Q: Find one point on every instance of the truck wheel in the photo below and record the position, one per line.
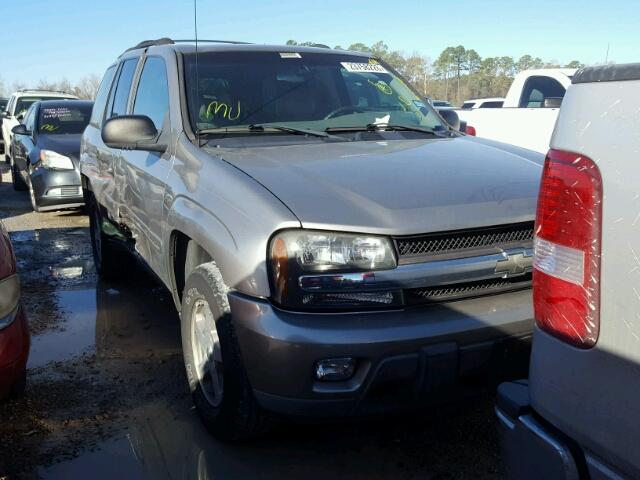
(217, 378)
(16, 179)
(111, 260)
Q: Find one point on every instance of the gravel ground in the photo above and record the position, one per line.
(107, 396)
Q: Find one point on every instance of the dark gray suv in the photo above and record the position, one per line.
(332, 245)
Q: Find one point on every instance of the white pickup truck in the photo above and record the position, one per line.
(529, 112)
(579, 416)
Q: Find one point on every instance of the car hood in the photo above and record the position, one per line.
(397, 187)
(68, 144)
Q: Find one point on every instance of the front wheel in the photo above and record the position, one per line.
(17, 180)
(111, 260)
(217, 378)
(32, 195)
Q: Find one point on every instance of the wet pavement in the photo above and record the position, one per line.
(108, 398)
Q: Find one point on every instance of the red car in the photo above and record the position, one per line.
(14, 334)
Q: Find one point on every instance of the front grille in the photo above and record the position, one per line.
(69, 191)
(458, 291)
(461, 240)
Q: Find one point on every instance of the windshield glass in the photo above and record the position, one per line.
(302, 90)
(23, 103)
(64, 119)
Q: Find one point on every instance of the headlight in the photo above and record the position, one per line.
(55, 161)
(9, 300)
(304, 261)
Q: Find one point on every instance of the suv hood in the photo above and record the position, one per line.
(397, 187)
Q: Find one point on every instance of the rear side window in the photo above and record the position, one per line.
(152, 96)
(101, 97)
(537, 89)
(467, 105)
(120, 97)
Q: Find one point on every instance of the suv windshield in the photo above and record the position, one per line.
(61, 119)
(310, 91)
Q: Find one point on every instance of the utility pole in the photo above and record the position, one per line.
(606, 58)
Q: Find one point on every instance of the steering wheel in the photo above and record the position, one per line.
(348, 109)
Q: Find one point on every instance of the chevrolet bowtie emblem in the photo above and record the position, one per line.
(515, 263)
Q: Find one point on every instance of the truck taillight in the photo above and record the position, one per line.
(469, 130)
(566, 276)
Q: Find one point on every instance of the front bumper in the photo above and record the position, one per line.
(405, 358)
(14, 352)
(57, 188)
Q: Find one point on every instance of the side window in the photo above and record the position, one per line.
(101, 97)
(537, 89)
(30, 119)
(12, 102)
(152, 95)
(120, 97)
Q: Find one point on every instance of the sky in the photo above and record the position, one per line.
(55, 39)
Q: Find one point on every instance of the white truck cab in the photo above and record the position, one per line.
(529, 112)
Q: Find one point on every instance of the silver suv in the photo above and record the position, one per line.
(332, 245)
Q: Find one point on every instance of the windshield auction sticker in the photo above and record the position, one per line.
(363, 67)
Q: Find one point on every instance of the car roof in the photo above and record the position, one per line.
(205, 46)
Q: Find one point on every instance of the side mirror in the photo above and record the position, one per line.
(20, 130)
(451, 117)
(552, 102)
(132, 132)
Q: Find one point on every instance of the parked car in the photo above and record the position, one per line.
(529, 112)
(579, 417)
(3, 107)
(494, 102)
(19, 103)
(333, 247)
(46, 151)
(14, 333)
(440, 103)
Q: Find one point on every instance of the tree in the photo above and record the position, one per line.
(527, 62)
(87, 87)
(574, 64)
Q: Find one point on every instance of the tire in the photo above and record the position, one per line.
(112, 261)
(32, 196)
(17, 180)
(220, 388)
(18, 389)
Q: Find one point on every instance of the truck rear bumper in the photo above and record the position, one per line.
(402, 358)
(532, 448)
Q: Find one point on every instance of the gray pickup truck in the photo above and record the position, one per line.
(332, 245)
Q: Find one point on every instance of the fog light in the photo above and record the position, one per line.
(335, 369)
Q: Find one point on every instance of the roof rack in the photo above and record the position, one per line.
(169, 41)
(24, 90)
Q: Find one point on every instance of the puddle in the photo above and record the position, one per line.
(76, 333)
(114, 459)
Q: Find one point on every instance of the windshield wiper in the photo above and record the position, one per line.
(382, 127)
(263, 127)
